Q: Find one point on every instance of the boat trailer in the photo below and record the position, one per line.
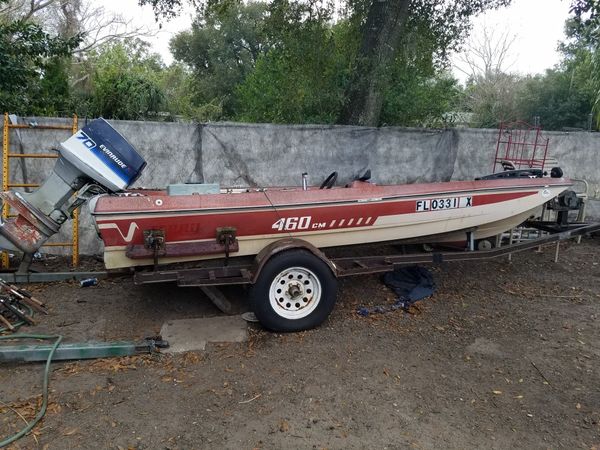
(348, 266)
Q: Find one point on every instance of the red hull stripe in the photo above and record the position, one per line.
(124, 231)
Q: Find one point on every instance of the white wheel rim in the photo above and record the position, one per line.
(295, 293)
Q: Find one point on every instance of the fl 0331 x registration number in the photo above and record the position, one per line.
(437, 204)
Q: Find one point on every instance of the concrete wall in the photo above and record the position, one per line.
(236, 154)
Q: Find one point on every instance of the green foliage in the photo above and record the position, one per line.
(562, 97)
(288, 62)
(492, 99)
(302, 78)
(555, 101)
(221, 49)
(166, 9)
(32, 68)
(583, 30)
(417, 100)
(125, 82)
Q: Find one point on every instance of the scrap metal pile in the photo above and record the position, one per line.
(17, 307)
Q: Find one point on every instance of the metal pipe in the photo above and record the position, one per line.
(23, 185)
(304, 181)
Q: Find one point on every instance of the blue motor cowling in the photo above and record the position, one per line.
(105, 156)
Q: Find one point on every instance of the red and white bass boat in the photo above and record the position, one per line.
(190, 227)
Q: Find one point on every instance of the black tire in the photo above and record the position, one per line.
(302, 267)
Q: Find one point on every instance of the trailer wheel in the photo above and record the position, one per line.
(484, 244)
(295, 291)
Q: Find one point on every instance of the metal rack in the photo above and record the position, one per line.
(522, 145)
(7, 184)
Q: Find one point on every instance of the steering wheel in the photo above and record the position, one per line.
(329, 181)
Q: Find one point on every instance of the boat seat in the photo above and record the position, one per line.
(522, 173)
(364, 178)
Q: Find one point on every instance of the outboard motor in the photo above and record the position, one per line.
(95, 160)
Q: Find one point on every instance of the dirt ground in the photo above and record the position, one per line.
(504, 355)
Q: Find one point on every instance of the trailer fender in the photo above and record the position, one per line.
(283, 245)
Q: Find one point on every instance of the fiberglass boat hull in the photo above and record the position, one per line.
(359, 214)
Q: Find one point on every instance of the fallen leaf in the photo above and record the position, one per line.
(191, 358)
(284, 426)
(497, 392)
(53, 408)
(70, 432)
(578, 406)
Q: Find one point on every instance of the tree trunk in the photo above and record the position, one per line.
(380, 39)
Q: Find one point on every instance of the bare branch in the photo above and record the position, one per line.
(35, 7)
(71, 17)
(487, 54)
(101, 27)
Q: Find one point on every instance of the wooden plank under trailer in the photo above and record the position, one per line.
(348, 266)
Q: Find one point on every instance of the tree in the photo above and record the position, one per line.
(303, 68)
(382, 26)
(301, 78)
(419, 100)
(30, 60)
(125, 82)
(560, 100)
(583, 30)
(492, 93)
(44, 46)
(381, 34)
(221, 49)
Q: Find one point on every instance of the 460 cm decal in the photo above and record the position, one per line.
(306, 223)
(296, 223)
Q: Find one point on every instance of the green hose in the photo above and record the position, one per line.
(42, 411)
